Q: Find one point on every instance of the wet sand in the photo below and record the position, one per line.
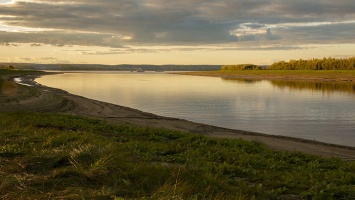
(40, 98)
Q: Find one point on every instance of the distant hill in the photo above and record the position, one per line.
(124, 67)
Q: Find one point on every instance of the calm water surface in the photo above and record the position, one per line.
(317, 111)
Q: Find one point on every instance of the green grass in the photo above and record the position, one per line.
(11, 91)
(53, 156)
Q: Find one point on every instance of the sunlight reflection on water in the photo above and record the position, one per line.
(316, 111)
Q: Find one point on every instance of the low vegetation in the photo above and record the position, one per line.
(55, 156)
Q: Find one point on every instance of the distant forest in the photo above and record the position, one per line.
(123, 67)
(315, 64)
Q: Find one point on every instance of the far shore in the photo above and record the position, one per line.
(301, 75)
(39, 98)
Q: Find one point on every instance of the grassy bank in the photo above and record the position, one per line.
(324, 75)
(53, 156)
(7, 72)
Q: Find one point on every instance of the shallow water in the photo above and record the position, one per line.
(317, 111)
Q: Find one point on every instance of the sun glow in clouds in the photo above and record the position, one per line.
(14, 29)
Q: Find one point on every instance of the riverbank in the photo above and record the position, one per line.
(39, 98)
(305, 75)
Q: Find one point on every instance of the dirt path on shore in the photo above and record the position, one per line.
(44, 99)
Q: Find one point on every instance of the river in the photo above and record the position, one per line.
(320, 111)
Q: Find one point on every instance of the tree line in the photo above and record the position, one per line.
(121, 67)
(7, 67)
(315, 64)
(311, 64)
(240, 67)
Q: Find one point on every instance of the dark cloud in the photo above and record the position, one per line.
(329, 33)
(255, 25)
(326, 9)
(270, 36)
(56, 38)
(117, 23)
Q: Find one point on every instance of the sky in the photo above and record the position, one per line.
(175, 32)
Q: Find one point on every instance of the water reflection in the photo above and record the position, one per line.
(325, 87)
(246, 81)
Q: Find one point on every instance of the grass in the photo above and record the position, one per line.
(5, 73)
(11, 92)
(56, 156)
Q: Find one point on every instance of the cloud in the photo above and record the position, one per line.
(8, 44)
(36, 45)
(49, 60)
(57, 38)
(165, 49)
(270, 36)
(118, 23)
(5, 44)
(330, 33)
(343, 56)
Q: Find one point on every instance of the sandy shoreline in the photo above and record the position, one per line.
(44, 99)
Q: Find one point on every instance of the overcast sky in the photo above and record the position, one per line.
(175, 32)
